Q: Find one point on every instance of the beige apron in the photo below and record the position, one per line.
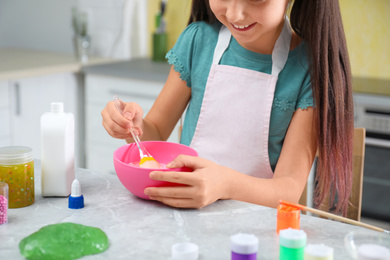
(233, 124)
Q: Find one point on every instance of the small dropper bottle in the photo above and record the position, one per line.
(76, 199)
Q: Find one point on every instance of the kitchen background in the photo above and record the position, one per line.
(37, 66)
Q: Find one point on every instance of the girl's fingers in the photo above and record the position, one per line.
(177, 203)
(178, 192)
(192, 162)
(186, 178)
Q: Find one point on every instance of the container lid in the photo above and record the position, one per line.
(318, 250)
(288, 212)
(12, 155)
(185, 251)
(373, 252)
(292, 238)
(242, 243)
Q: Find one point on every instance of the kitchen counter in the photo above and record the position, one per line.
(21, 63)
(141, 69)
(142, 229)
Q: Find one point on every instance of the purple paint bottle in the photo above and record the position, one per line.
(244, 246)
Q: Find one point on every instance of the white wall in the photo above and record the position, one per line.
(36, 24)
(46, 25)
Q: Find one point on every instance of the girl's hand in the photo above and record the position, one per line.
(118, 125)
(207, 183)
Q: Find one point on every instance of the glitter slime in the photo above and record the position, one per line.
(17, 170)
(65, 241)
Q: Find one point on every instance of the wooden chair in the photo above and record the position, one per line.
(355, 207)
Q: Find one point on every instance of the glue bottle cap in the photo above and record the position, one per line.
(76, 199)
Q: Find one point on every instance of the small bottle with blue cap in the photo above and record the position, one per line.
(76, 199)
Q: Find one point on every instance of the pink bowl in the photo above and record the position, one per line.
(136, 179)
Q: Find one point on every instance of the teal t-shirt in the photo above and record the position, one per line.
(192, 57)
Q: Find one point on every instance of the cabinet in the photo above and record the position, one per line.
(100, 89)
(23, 101)
(5, 130)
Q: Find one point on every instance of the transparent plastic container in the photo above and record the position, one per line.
(356, 239)
(17, 170)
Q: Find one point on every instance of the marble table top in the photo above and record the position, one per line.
(141, 229)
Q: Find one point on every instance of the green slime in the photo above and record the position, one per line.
(64, 241)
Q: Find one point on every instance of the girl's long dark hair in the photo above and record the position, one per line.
(319, 24)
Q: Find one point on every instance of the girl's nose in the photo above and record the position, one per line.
(235, 12)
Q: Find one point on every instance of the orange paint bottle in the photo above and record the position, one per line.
(287, 217)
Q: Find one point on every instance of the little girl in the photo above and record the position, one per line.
(263, 94)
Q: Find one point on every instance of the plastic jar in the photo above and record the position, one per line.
(244, 246)
(287, 217)
(292, 244)
(17, 170)
(318, 252)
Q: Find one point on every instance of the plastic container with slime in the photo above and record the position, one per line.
(17, 170)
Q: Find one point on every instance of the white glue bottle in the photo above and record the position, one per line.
(57, 151)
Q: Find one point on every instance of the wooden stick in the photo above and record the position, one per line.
(332, 216)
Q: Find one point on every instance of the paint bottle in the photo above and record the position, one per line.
(17, 170)
(57, 148)
(287, 217)
(318, 252)
(3, 202)
(244, 246)
(292, 244)
(373, 252)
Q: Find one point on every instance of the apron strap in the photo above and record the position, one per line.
(281, 48)
(222, 44)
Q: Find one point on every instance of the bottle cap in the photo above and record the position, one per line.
(318, 251)
(76, 199)
(242, 243)
(292, 238)
(373, 252)
(185, 251)
(57, 107)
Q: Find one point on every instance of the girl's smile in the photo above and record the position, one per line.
(243, 27)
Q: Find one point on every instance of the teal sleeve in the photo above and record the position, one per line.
(305, 97)
(181, 55)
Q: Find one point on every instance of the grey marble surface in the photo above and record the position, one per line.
(140, 229)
